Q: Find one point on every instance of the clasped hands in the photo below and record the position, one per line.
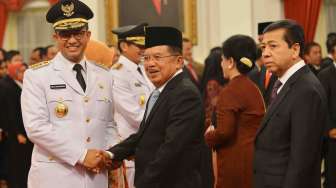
(97, 160)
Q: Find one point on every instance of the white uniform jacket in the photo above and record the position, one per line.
(131, 91)
(63, 121)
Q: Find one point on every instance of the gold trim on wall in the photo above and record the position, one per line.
(189, 11)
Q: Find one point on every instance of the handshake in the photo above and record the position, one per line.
(98, 160)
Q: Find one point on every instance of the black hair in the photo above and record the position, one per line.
(239, 46)
(293, 32)
(309, 46)
(42, 51)
(11, 53)
(331, 42)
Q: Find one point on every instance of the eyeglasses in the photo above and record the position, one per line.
(157, 58)
(66, 35)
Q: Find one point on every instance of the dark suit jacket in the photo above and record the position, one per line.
(327, 77)
(326, 62)
(168, 145)
(288, 143)
(19, 154)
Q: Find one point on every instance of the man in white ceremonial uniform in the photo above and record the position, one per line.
(131, 88)
(67, 107)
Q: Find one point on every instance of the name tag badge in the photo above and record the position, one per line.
(58, 86)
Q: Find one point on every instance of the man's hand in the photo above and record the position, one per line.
(21, 139)
(96, 160)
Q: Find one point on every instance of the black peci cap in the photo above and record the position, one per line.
(69, 15)
(156, 36)
(132, 33)
(262, 26)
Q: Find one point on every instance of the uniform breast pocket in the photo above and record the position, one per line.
(103, 108)
(140, 95)
(59, 105)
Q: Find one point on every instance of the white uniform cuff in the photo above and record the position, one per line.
(82, 158)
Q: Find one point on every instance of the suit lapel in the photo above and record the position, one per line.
(281, 96)
(67, 75)
(163, 96)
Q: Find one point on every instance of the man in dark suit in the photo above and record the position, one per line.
(288, 142)
(313, 56)
(327, 77)
(331, 39)
(19, 147)
(169, 143)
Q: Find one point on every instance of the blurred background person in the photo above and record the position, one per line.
(14, 56)
(313, 56)
(331, 39)
(37, 55)
(50, 52)
(239, 112)
(212, 70)
(3, 128)
(99, 52)
(327, 77)
(19, 147)
(193, 69)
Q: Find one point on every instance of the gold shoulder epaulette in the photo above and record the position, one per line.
(39, 65)
(101, 65)
(117, 66)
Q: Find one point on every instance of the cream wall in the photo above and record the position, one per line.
(97, 24)
(220, 19)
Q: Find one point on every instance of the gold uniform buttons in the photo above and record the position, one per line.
(88, 120)
(86, 99)
(88, 139)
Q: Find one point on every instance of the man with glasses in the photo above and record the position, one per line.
(167, 147)
(67, 107)
(131, 88)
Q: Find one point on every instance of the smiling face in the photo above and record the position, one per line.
(132, 51)
(161, 64)
(72, 43)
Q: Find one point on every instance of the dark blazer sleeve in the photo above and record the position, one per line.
(126, 148)
(305, 136)
(324, 77)
(184, 127)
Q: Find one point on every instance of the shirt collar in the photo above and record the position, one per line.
(128, 63)
(69, 65)
(18, 83)
(164, 85)
(291, 71)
